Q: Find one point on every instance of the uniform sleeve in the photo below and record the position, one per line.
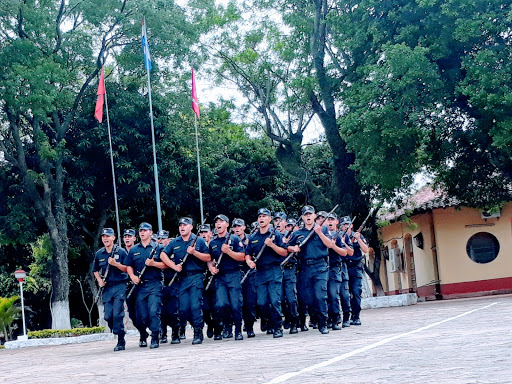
(159, 249)
(279, 240)
(339, 243)
(325, 231)
(237, 244)
(122, 255)
(293, 240)
(128, 261)
(96, 266)
(168, 250)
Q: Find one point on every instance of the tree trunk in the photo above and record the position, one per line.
(60, 281)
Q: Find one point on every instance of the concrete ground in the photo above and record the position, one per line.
(456, 341)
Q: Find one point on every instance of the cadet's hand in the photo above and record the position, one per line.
(357, 235)
(251, 264)
(150, 262)
(317, 229)
(268, 241)
(286, 239)
(191, 250)
(135, 280)
(213, 270)
(178, 267)
(294, 248)
(112, 261)
(225, 248)
(101, 283)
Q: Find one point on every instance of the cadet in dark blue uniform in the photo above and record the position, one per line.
(313, 259)
(269, 276)
(289, 294)
(249, 285)
(170, 315)
(129, 241)
(356, 272)
(279, 221)
(111, 258)
(148, 301)
(335, 281)
(191, 274)
(208, 295)
(344, 288)
(227, 274)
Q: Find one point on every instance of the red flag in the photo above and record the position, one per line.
(98, 111)
(195, 102)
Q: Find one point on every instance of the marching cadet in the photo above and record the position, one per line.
(355, 271)
(226, 272)
(111, 276)
(341, 242)
(313, 259)
(209, 294)
(170, 316)
(129, 241)
(269, 276)
(191, 275)
(249, 285)
(289, 294)
(145, 256)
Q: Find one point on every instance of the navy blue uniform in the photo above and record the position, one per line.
(269, 276)
(337, 286)
(148, 301)
(315, 272)
(114, 293)
(228, 290)
(355, 276)
(289, 294)
(248, 294)
(191, 279)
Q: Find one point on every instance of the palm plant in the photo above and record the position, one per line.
(8, 313)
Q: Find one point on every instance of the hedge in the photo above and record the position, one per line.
(45, 333)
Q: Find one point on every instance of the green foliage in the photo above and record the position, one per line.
(8, 313)
(46, 333)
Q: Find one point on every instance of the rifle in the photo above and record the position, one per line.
(310, 234)
(365, 220)
(272, 236)
(100, 290)
(151, 256)
(185, 258)
(228, 241)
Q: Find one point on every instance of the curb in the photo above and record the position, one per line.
(59, 340)
(389, 301)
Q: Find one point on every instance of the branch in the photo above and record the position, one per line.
(57, 26)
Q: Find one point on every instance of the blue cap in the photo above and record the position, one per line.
(108, 232)
(322, 214)
(291, 222)
(307, 209)
(346, 220)
(264, 211)
(280, 215)
(221, 217)
(162, 234)
(204, 228)
(154, 237)
(236, 222)
(129, 232)
(145, 226)
(185, 220)
(332, 216)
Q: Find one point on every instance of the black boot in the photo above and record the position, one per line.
(163, 335)
(346, 322)
(121, 343)
(293, 328)
(227, 333)
(143, 337)
(198, 336)
(175, 337)
(209, 331)
(154, 340)
(238, 333)
(182, 332)
(250, 330)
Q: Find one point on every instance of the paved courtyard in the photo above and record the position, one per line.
(456, 341)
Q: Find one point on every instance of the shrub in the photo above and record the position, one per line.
(45, 333)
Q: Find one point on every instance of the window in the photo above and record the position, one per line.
(482, 247)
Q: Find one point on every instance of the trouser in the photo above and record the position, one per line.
(113, 304)
(228, 296)
(333, 292)
(315, 292)
(301, 304)
(269, 283)
(191, 299)
(170, 306)
(289, 293)
(130, 304)
(148, 307)
(209, 307)
(249, 300)
(355, 281)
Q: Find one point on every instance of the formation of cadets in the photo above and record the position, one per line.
(281, 272)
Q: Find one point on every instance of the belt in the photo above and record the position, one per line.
(289, 266)
(191, 273)
(315, 261)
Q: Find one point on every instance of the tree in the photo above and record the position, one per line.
(8, 313)
(50, 53)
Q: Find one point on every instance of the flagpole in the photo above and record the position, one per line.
(113, 172)
(157, 186)
(199, 171)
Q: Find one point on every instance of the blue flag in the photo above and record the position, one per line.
(145, 46)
